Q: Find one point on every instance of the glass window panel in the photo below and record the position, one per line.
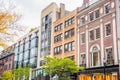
(20, 57)
(27, 46)
(21, 48)
(95, 59)
(33, 43)
(33, 52)
(26, 55)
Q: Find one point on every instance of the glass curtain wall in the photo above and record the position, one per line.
(26, 52)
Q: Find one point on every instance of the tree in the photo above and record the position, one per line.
(9, 26)
(32, 29)
(21, 73)
(61, 67)
(7, 75)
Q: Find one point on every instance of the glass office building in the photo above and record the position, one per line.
(26, 50)
(46, 36)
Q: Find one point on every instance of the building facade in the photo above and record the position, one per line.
(26, 50)
(48, 15)
(98, 40)
(64, 37)
(6, 60)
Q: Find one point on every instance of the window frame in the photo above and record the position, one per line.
(106, 31)
(96, 33)
(105, 8)
(93, 35)
(84, 37)
(98, 9)
(70, 46)
(110, 47)
(92, 12)
(81, 22)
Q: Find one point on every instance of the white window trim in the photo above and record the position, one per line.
(95, 33)
(105, 5)
(106, 52)
(80, 57)
(91, 60)
(95, 11)
(80, 20)
(89, 34)
(81, 38)
(89, 15)
(105, 29)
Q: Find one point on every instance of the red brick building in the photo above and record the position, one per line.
(6, 61)
(98, 40)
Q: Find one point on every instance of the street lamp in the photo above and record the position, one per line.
(104, 63)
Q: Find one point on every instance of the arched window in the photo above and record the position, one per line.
(95, 56)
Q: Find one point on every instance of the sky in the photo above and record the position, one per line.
(30, 9)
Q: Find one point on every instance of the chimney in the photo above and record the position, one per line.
(85, 2)
(62, 10)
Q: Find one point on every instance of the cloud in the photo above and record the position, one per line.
(31, 9)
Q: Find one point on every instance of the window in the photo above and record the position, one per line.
(109, 56)
(58, 38)
(46, 17)
(83, 60)
(72, 20)
(27, 46)
(16, 50)
(58, 50)
(95, 56)
(33, 52)
(108, 30)
(33, 62)
(91, 35)
(83, 38)
(97, 33)
(16, 57)
(107, 8)
(69, 47)
(91, 16)
(21, 48)
(69, 33)
(97, 13)
(20, 57)
(57, 28)
(69, 21)
(82, 20)
(33, 36)
(26, 55)
(26, 63)
(33, 43)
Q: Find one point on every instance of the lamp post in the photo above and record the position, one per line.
(104, 63)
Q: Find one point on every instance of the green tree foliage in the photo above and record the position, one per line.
(7, 75)
(61, 67)
(10, 27)
(21, 73)
(32, 29)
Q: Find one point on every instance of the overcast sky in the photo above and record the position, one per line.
(30, 9)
